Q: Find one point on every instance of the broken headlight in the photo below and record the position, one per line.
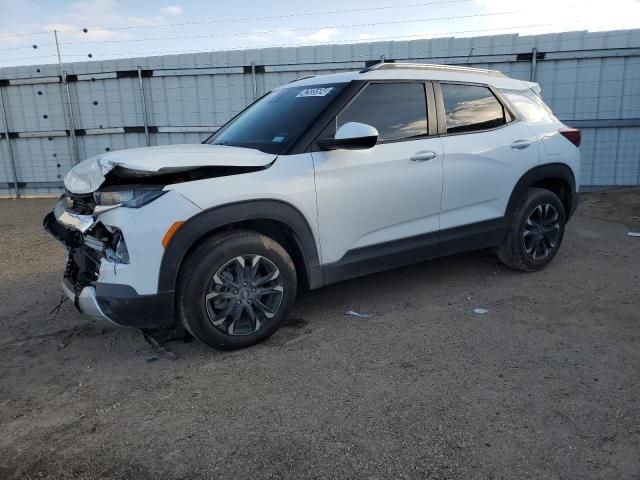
(127, 197)
(109, 241)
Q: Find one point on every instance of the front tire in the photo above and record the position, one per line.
(535, 231)
(235, 289)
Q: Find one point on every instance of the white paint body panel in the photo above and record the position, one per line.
(143, 229)
(377, 195)
(481, 170)
(290, 179)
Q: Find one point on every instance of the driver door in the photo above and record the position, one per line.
(382, 201)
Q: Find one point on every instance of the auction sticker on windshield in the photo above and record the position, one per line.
(314, 92)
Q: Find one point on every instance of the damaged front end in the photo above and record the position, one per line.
(115, 246)
(88, 242)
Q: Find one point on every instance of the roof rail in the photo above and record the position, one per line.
(428, 66)
(303, 78)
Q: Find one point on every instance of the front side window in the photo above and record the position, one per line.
(275, 121)
(471, 108)
(397, 110)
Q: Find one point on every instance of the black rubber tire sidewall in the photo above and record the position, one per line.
(202, 264)
(511, 252)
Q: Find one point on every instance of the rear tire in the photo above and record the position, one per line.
(535, 231)
(235, 289)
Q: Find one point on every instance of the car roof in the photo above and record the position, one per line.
(413, 71)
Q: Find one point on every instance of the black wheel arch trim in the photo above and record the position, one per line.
(208, 221)
(539, 173)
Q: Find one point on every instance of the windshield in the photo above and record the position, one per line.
(275, 121)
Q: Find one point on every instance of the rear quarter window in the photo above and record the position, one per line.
(530, 106)
(470, 108)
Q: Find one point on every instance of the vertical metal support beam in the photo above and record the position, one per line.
(381, 58)
(534, 64)
(12, 160)
(144, 107)
(254, 83)
(469, 56)
(71, 119)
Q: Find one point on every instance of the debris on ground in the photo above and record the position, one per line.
(633, 234)
(480, 311)
(357, 314)
(158, 348)
(56, 309)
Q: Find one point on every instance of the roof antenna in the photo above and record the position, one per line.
(469, 56)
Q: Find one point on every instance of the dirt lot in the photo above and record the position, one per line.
(545, 385)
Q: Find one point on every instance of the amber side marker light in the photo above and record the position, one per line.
(170, 233)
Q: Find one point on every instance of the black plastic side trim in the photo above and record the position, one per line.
(201, 225)
(475, 236)
(123, 305)
(575, 201)
(376, 258)
(531, 177)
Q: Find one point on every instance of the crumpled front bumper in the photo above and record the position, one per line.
(116, 303)
(85, 300)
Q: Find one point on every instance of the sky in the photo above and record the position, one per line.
(105, 29)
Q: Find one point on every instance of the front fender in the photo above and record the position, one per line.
(203, 224)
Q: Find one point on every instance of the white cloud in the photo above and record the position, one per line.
(319, 36)
(102, 19)
(593, 15)
(287, 36)
(171, 11)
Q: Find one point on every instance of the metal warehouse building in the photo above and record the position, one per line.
(591, 80)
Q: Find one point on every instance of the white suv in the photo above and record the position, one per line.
(324, 179)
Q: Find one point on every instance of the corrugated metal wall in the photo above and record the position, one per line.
(591, 80)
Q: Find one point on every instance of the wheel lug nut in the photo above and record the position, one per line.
(245, 284)
(238, 302)
(253, 289)
(249, 300)
(235, 292)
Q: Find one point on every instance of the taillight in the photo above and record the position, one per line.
(572, 134)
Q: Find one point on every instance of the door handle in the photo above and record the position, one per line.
(521, 144)
(423, 156)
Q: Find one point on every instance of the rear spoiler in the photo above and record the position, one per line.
(534, 86)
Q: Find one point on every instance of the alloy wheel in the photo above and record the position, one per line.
(244, 294)
(541, 232)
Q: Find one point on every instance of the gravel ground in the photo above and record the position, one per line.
(545, 385)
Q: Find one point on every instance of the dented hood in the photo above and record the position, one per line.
(88, 175)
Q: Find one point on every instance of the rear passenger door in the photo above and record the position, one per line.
(386, 193)
(486, 151)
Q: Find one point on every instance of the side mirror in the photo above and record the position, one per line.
(351, 136)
